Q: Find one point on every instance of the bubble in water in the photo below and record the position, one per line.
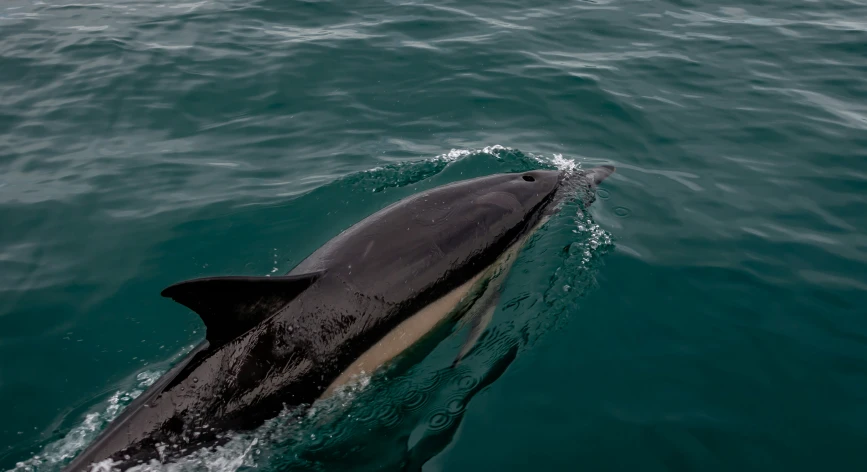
(455, 406)
(622, 212)
(431, 382)
(438, 421)
(467, 382)
(368, 414)
(415, 400)
(389, 416)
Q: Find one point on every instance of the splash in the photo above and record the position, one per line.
(496, 151)
(490, 159)
(59, 452)
(564, 164)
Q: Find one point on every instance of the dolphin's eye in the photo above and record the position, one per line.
(529, 178)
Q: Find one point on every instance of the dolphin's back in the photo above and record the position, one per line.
(400, 251)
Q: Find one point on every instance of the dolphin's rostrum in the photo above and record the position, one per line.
(352, 305)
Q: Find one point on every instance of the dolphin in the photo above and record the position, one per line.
(350, 307)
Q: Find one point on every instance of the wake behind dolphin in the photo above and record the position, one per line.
(353, 305)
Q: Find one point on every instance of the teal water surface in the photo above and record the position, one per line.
(708, 313)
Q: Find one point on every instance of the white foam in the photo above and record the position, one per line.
(596, 238)
(556, 160)
(456, 154)
(562, 163)
(496, 147)
(81, 435)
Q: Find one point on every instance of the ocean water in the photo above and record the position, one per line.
(709, 311)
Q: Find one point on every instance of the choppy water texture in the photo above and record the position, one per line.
(707, 314)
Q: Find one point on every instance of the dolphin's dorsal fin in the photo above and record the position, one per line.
(230, 306)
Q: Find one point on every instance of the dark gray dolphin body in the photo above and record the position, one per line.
(277, 342)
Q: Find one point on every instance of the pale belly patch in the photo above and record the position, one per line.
(404, 335)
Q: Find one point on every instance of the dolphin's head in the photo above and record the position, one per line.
(533, 187)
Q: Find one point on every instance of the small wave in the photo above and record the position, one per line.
(402, 174)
